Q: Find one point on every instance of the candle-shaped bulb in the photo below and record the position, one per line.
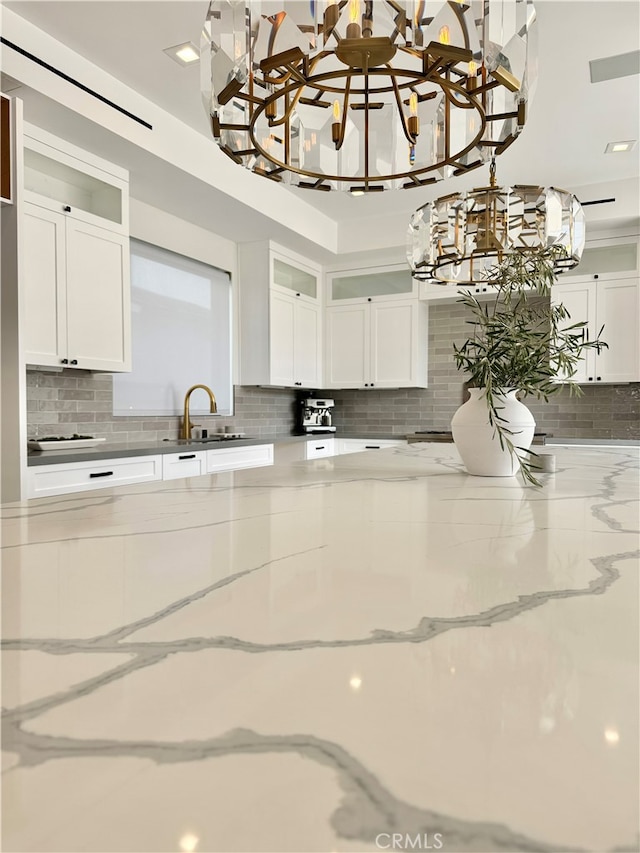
(413, 125)
(353, 27)
(444, 36)
(472, 80)
(335, 125)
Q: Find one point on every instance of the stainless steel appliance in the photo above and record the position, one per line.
(315, 415)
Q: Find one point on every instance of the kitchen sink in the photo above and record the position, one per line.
(211, 439)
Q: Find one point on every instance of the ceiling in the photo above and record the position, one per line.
(571, 120)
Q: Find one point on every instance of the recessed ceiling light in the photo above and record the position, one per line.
(619, 147)
(183, 54)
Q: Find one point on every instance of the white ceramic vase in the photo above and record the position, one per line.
(478, 442)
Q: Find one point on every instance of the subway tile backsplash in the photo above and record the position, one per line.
(80, 401)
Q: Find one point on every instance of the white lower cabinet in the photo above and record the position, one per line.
(45, 480)
(233, 458)
(358, 445)
(187, 464)
(319, 448)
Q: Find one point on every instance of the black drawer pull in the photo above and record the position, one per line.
(73, 361)
(64, 361)
(372, 447)
(101, 474)
(66, 208)
(189, 456)
(321, 447)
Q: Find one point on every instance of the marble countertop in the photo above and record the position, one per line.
(315, 656)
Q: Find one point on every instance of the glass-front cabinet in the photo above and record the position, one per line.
(280, 317)
(75, 265)
(375, 330)
(614, 257)
(393, 282)
(301, 282)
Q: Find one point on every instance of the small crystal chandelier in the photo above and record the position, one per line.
(460, 238)
(366, 96)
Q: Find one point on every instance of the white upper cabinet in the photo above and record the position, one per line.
(66, 179)
(280, 318)
(611, 258)
(615, 305)
(376, 330)
(75, 260)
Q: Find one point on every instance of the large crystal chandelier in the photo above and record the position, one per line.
(462, 237)
(366, 96)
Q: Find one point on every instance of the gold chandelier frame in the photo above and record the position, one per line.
(264, 101)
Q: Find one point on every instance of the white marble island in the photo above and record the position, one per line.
(361, 653)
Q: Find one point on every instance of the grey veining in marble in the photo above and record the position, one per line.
(592, 498)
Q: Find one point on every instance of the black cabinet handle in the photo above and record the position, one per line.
(596, 276)
(366, 384)
(321, 447)
(297, 294)
(188, 456)
(371, 385)
(598, 378)
(101, 474)
(66, 208)
(477, 290)
(372, 447)
(591, 379)
(73, 361)
(64, 361)
(369, 299)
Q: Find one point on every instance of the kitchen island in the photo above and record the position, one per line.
(315, 656)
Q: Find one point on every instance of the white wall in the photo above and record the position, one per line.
(170, 140)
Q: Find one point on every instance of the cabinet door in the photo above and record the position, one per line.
(307, 344)
(618, 310)
(98, 298)
(579, 300)
(347, 346)
(394, 345)
(282, 341)
(43, 286)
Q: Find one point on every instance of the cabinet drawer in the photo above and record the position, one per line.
(358, 445)
(188, 464)
(319, 448)
(233, 458)
(44, 480)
